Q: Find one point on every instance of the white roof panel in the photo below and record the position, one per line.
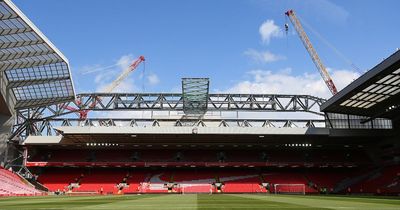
(34, 72)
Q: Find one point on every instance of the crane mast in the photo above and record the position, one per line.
(313, 53)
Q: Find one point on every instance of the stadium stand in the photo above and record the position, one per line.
(201, 180)
(59, 179)
(13, 185)
(113, 179)
(241, 182)
(119, 180)
(348, 145)
(385, 181)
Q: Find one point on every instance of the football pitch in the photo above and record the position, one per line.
(200, 201)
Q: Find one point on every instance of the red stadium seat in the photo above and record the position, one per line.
(11, 184)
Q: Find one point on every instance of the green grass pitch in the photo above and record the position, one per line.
(200, 201)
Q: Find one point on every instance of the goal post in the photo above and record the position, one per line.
(196, 188)
(290, 189)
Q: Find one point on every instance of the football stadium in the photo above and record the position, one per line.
(192, 148)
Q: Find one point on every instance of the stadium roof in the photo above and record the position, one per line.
(175, 135)
(33, 71)
(374, 94)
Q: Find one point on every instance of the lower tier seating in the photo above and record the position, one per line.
(206, 180)
(385, 181)
(196, 180)
(13, 185)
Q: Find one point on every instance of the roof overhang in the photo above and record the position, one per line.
(33, 71)
(376, 94)
(76, 130)
(42, 140)
(177, 135)
(74, 135)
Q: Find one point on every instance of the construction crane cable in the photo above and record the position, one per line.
(99, 69)
(286, 32)
(144, 76)
(330, 45)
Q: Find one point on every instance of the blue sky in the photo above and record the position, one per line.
(239, 45)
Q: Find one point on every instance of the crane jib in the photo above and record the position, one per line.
(311, 51)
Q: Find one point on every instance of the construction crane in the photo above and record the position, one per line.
(314, 56)
(83, 113)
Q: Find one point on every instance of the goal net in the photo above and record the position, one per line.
(290, 189)
(196, 188)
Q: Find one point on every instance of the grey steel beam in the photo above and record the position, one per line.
(11, 31)
(37, 103)
(23, 52)
(27, 82)
(30, 61)
(174, 102)
(47, 127)
(31, 120)
(20, 40)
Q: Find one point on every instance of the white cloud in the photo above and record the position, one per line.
(269, 30)
(283, 82)
(124, 61)
(263, 56)
(106, 76)
(343, 77)
(153, 79)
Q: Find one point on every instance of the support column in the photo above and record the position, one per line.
(6, 123)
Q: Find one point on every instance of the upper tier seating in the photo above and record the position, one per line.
(293, 156)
